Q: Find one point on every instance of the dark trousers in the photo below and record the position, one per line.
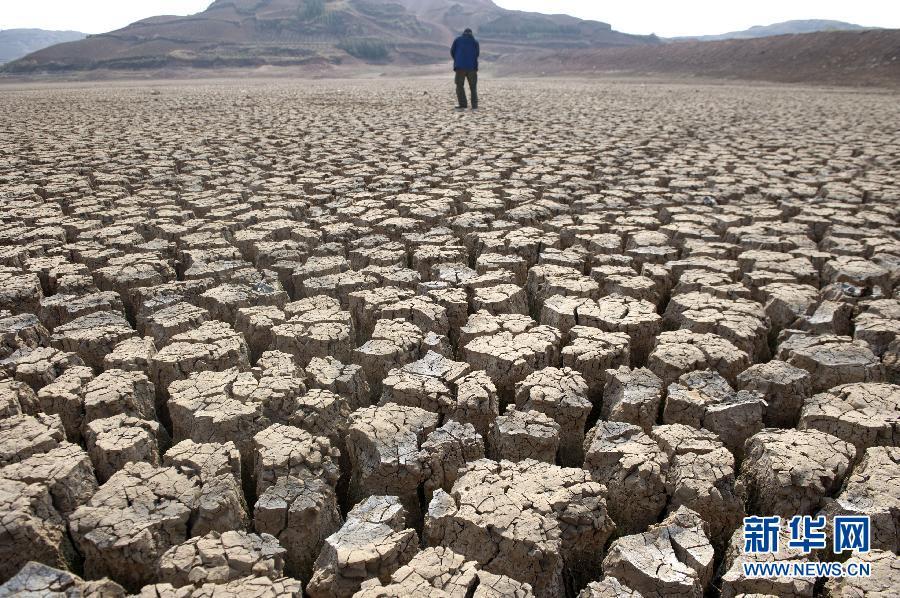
(461, 78)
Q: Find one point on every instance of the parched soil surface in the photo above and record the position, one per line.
(331, 338)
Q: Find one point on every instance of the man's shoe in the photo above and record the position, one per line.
(460, 108)
(474, 107)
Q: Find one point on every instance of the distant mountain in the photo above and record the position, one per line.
(235, 33)
(784, 28)
(16, 43)
(855, 58)
(514, 28)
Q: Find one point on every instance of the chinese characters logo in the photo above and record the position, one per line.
(851, 532)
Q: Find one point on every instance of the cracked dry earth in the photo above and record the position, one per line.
(333, 339)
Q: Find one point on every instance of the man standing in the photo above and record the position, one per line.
(465, 51)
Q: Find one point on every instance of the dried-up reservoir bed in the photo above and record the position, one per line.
(333, 338)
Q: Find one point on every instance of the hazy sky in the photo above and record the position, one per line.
(663, 17)
(696, 17)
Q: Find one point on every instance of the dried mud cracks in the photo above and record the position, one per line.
(335, 340)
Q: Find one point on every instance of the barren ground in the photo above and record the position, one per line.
(332, 338)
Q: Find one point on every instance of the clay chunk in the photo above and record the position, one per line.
(633, 469)
(518, 435)
(509, 358)
(385, 446)
(673, 558)
(32, 529)
(872, 490)
(40, 366)
(561, 394)
(65, 470)
(680, 351)
(441, 572)
(132, 354)
(115, 441)
(216, 467)
(117, 392)
(37, 579)
(704, 399)
(739, 321)
(831, 360)
(608, 587)
(17, 398)
(701, 477)
(372, 543)
(23, 331)
(137, 515)
(592, 352)
(212, 346)
(219, 558)
(790, 472)
(783, 386)
(864, 414)
(448, 449)
(93, 336)
(881, 583)
(346, 380)
(301, 513)
(498, 513)
(281, 451)
(735, 583)
(22, 436)
(230, 405)
(632, 396)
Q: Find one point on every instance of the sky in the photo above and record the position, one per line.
(671, 18)
(667, 18)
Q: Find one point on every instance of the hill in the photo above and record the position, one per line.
(783, 28)
(15, 43)
(238, 33)
(512, 29)
(870, 57)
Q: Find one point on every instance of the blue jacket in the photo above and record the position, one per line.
(465, 52)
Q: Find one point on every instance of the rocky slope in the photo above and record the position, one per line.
(869, 57)
(15, 43)
(290, 32)
(783, 28)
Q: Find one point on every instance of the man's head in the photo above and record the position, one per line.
(467, 31)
